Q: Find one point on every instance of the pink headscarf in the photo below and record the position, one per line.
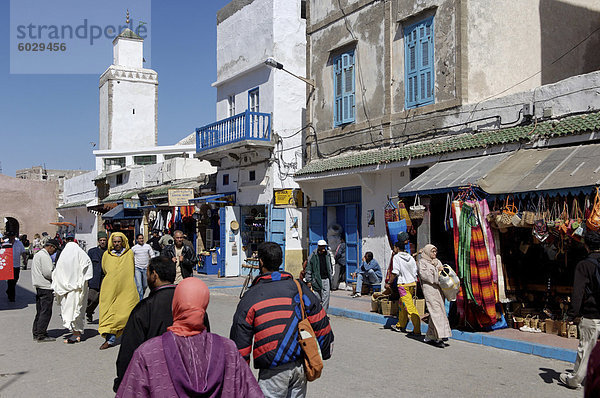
(189, 306)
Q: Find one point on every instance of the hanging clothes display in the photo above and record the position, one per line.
(476, 300)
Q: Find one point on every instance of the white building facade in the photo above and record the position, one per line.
(257, 139)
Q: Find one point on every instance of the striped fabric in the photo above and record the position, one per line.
(481, 278)
(266, 321)
(477, 296)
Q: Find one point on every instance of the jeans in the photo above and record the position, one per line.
(589, 331)
(12, 284)
(284, 381)
(407, 307)
(370, 277)
(324, 294)
(44, 299)
(110, 338)
(339, 276)
(140, 281)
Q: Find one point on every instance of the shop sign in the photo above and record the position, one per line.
(131, 203)
(289, 198)
(180, 196)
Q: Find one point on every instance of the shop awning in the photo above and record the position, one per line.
(210, 198)
(446, 176)
(568, 169)
(74, 205)
(121, 213)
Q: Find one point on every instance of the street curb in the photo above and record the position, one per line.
(224, 287)
(545, 351)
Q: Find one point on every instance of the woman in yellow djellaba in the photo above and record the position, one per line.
(118, 292)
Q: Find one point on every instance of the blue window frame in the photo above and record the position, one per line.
(418, 64)
(254, 100)
(343, 88)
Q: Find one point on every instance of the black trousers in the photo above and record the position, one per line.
(93, 300)
(12, 284)
(43, 305)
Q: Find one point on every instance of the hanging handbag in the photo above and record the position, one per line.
(509, 210)
(529, 215)
(576, 221)
(313, 360)
(449, 282)
(417, 210)
(593, 220)
(516, 219)
(565, 221)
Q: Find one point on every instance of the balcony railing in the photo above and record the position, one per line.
(252, 126)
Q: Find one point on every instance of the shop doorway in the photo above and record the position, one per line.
(11, 224)
(342, 208)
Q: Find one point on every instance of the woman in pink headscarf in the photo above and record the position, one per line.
(188, 361)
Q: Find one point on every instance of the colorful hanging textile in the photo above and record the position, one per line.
(481, 279)
(483, 211)
(6, 263)
(390, 214)
(464, 249)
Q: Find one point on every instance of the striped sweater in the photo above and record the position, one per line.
(269, 313)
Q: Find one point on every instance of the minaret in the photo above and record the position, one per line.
(128, 97)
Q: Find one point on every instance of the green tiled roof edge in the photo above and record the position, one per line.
(551, 128)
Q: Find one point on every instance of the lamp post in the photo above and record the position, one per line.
(274, 64)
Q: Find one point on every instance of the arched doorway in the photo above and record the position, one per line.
(11, 224)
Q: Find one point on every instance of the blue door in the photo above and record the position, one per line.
(276, 229)
(352, 225)
(317, 226)
(223, 241)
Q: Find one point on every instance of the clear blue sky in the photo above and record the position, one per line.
(51, 119)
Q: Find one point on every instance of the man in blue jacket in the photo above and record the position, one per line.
(369, 271)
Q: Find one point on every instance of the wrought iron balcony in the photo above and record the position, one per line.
(248, 128)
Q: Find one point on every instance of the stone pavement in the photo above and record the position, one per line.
(368, 361)
(342, 304)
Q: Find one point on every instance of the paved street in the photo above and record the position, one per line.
(367, 361)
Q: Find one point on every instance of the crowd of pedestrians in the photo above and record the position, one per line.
(166, 345)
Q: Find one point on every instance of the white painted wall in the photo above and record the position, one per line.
(80, 188)
(131, 130)
(159, 151)
(245, 38)
(86, 225)
(128, 52)
(232, 263)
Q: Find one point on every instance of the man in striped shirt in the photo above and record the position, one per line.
(269, 313)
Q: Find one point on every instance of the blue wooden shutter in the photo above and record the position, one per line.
(348, 91)
(352, 239)
(338, 85)
(419, 64)
(316, 226)
(426, 62)
(276, 230)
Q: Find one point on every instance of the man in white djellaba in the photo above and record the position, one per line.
(69, 282)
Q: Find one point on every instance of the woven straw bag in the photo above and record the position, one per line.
(417, 210)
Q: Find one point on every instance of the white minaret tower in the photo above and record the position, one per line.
(128, 97)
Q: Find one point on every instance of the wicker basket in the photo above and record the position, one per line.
(417, 210)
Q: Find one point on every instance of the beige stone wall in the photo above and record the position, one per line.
(31, 203)
(517, 48)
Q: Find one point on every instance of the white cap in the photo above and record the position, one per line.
(321, 243)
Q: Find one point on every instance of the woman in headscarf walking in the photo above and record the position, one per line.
(188, 361)
(429, 267)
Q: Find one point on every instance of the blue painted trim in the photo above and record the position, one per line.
(525, 347)
(224, 287)
(234, 129)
